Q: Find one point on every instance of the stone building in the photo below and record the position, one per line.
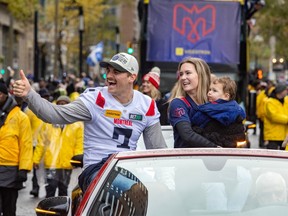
(16, 43)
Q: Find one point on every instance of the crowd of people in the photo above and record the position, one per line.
(75, 116)
(272, 113)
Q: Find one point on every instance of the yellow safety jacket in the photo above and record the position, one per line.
(261, 103)
(35, 123)
(74, 95)
(276, 119)
(16, 141)
(58, 145)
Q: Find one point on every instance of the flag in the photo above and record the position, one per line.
(96, 54)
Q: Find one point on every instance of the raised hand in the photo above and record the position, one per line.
(22, 86)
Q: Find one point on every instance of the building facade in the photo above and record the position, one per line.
(16, 42)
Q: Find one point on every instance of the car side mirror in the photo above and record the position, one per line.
(77, 160)
(53, 206)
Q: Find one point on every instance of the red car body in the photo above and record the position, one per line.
(244, 166)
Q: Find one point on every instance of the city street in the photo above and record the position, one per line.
(27, 203)
(86, 48)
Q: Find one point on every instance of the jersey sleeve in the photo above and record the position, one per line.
(153, 115)
(178, 112)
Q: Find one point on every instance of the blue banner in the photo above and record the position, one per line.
(181, 28)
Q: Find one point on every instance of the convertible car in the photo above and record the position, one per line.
(184, 182)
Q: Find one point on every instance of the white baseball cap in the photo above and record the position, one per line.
(122, 62)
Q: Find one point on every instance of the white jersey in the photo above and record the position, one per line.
(114, 127)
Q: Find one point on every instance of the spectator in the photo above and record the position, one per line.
(15, 150)
(91, 84)
(36, 125)
(58, 143)
(150, 86)
(261, 99)
(276, 117)
(114, 116)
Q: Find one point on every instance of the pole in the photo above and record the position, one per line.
(117, 39)
(81, 30)
(56, 40)
(11, 42)
(144, 64)
(243, 57)
(36, 48)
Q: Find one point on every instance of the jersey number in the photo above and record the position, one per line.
(126, 133)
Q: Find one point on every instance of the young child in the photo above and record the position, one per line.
(221, 120)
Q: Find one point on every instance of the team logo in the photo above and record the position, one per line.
(179, 112)
(120, 58)
(135, 117)
(202, 24)
(116, 114)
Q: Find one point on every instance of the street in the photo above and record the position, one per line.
(27, 203)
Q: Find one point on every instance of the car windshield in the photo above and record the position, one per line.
(200, 185)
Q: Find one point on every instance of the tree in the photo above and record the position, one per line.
(99, 19)
(22, 10)
(273, 21)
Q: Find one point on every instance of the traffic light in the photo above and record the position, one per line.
(259, 74)
(130, 49)
(104, 75)
(2, 71)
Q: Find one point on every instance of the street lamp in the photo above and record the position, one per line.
(117, 39)
(81, 31)
(278, 65)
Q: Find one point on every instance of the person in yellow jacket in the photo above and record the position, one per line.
(261, 99)
(36, 125)
(276, 117)
(15, 151)
(58, 144)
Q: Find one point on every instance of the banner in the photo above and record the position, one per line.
(181, 28)
(96, 54)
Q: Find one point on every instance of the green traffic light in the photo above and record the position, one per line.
(104, 76)
(130, 50)
(2, 71)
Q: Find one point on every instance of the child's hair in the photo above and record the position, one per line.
(213, 77)
(229, 86)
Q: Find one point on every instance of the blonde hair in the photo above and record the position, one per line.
(204, 79)
(154, 93)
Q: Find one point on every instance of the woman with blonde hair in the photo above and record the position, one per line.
(150, 86)
(190, 90)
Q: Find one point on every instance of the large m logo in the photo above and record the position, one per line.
(205, 21)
